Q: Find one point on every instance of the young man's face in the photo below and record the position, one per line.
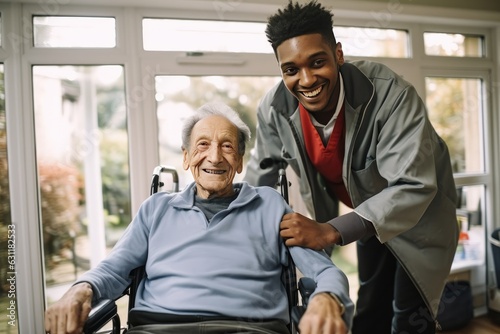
(213, 156)
(309, 68)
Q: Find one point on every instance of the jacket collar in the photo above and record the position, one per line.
(284, 101)
(358, 88)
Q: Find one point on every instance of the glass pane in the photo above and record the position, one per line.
(455, 109)
(454, 45)
(470, 219)
(82, 158)
(373, 42)
(74, 32)
(470, 255)
(1, 31)
(195, 35)
(178, 96)
(8, 288)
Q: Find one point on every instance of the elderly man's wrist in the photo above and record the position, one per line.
(338, 301)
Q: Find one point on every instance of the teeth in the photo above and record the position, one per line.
(313, 93)
(214, 171)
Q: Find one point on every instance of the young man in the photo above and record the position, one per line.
(357, 133)
(212, 253)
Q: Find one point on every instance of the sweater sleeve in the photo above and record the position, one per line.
(111, 276)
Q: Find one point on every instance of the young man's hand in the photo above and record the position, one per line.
(298, 230)
(323, 316)
(68, 315)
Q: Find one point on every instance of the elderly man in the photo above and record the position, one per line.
(213, 253)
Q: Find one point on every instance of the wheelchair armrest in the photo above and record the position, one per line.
(100, 315)
(306, 289)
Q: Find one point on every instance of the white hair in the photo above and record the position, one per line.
(220, 109)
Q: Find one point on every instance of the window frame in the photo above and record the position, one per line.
(140, 69)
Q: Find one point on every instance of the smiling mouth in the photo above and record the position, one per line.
(212, 171)
(313, 93)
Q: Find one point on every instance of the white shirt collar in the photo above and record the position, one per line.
(325, 131)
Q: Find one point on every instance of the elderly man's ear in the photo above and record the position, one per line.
(185, 162)
(240, 166)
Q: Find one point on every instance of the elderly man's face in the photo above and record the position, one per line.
(213, 156)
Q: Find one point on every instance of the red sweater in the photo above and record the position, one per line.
(327, 160)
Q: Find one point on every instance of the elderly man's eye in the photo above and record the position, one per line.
(203, 145)
(227, 147)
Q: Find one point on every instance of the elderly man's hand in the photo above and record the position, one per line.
(68, 315)
(323, 316)
(298, 230)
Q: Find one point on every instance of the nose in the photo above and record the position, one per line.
(307, 78)
(214, 155)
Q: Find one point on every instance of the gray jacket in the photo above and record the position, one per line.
(396, 169)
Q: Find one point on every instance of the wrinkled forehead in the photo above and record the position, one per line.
(215, 127)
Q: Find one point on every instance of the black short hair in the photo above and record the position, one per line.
(299, 19)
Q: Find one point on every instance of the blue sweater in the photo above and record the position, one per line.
(229, 266)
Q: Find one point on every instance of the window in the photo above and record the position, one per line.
(470, 211)
(74, 32)
(183, 49)
(456, 111)
(82, 158)
(196, 35)
(227, 36)
(373, 42)
(453, 45)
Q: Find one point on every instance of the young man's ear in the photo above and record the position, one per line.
(339, 54)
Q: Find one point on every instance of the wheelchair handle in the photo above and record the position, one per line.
(283, 183)
(155, 181)
(282, 180)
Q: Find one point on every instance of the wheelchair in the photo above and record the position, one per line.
(106, 311)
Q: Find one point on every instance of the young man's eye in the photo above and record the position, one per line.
(289, 71)
(318, 62)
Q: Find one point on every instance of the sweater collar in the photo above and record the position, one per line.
(185, 198)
